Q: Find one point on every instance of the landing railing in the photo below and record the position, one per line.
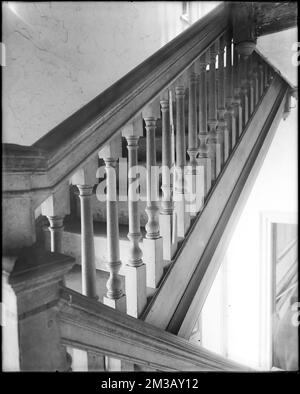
(62, 330)
(198, 74)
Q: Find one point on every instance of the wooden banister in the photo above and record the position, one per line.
(40, 175)
(88, 325)
(66, 147)
(168, 308)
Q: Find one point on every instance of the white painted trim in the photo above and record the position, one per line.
(267, 219)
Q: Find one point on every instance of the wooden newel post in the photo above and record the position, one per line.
(135, 269)
(152, 244)
(36, 280)
(114, 296)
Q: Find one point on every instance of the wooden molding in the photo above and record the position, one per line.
(92, 326)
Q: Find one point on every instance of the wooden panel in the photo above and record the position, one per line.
(167, 301)
(91, 326)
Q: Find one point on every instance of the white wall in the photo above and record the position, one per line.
(60, 55)
(275, 189)
(281, 49)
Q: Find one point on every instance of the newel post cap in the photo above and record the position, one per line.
(35, 265)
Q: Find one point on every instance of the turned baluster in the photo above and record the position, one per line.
(87, 242)
(153, 249)
(192, 124)
(251, 85)
(194, 205)
(203, 160)
(135, 269)
(114, 296)
(230, 112)
(167, 209)
(237, 94)
(261, 78)
(244, 91)
(255, 79)
(85, 179)
(56, 230)
(213, 136)
(56, 207)
(183, 217)
(134, 235)
(222, 123)
(152, 210)
(266, 75)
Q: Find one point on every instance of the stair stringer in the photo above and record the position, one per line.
(172, 289)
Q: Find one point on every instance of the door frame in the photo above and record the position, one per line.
(267, 220)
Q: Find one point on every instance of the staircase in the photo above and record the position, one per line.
(116, 284)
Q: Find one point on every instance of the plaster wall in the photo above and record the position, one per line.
(60, 55)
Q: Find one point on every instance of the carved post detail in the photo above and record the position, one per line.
(167, 208)
(204, 159)
(114, 296)
(153, 248)
(213, 137)
(135, 269)
(183, 217)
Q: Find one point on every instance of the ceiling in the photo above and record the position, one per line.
(271, 17)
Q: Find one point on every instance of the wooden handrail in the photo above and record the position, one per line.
(57, 155)
(91, 326)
